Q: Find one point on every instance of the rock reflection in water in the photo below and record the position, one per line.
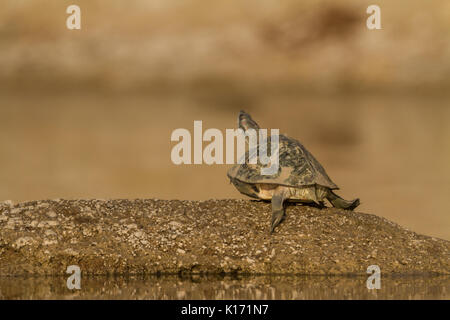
(196, 287)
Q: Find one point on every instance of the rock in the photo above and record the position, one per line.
(8, 203)
(49, 233)
(48, 242)
(231, 236)
(175, 224)
(51, 214)
(71, 252)
(52, 223)
(139, 234)
(21, 242)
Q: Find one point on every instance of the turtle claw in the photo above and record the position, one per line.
(277, 217)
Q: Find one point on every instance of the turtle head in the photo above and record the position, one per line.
(246, 122)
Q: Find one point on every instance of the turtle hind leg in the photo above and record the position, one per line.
(340, 203)
(277, 209)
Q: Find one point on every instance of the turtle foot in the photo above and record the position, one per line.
(277, 217)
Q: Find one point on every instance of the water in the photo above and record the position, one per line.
(250, 287)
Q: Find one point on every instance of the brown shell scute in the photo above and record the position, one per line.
(297, 167)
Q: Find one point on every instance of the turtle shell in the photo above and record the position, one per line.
(297, 167)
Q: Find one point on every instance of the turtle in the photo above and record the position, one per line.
(300, 177)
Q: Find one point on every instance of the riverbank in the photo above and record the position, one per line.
(215, 236)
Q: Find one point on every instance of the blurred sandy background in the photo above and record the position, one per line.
(89, 113)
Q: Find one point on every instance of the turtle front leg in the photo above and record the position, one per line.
(277, 209)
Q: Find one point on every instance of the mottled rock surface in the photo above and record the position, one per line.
(214, 236)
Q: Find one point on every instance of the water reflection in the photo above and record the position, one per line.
(251, 287)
